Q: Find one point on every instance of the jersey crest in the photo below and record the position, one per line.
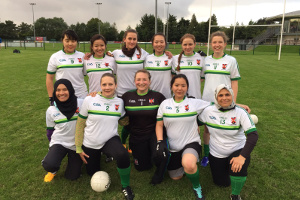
(166, 62)
(77, 110)
(106, 64)
(79, 60)
(233, 120)
(117, 107)
(187, 108)
(151, 101)
(198, 61)
(138, 56)
(224, 66)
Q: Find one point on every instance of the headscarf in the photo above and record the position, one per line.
(69, 107)
(218, 89)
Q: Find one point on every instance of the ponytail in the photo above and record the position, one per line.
(179, 60)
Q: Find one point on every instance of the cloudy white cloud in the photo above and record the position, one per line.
(129, 12)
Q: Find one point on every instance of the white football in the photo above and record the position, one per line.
(100, 181)
(254, 118)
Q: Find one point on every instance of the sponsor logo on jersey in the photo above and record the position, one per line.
(89, 64)
(122, 56)
(141, 99)
(198, 61)
(72, 60)
(79, 60)
(186, 107)
(207, 65)
(107, 104)
(150, 62)
(131, 101)
(106, 64)
(168, 108)
(96, 104)
(62, 60)
(215, 65)
(117, 107)
(233, 120)
(224, 66)
(138, 56)
(151, 101)
(166, 62)
(77, 110)
(57, 114)
(158, 63)
(212, 117)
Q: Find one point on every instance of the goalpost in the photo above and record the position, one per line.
(281, 31)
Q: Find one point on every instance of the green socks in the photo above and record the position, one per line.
(237, 183)
(125, 176)
(194, 178)
(206, 150)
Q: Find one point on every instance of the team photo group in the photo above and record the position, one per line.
(157, 101)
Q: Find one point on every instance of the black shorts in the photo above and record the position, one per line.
(112, 148)
(175, 159)
(221, 168)
(143, 153)
(54, 157)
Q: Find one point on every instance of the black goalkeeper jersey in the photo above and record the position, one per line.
(142, 111)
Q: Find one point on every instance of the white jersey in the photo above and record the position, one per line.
(96, 67)
(64, 129)
(191, 66)
(180, 121)
(218, 71)
(102, 116)
(69, 66)
(126, 68)
(161, 70)
(226, 129)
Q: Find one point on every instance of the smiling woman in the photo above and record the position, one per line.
(97, 132)
(67, 63)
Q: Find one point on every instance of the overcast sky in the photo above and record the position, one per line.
(129, 12)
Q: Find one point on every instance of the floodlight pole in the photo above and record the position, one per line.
(232, 45)
(168, 3)
(99, 4)
(33, 4)
(155, 17)
(209, 26)
(280, 43)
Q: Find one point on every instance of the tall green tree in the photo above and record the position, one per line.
(24, 30)
(50, 28)
(8, 30)
(173, 34)
(182, 27)
(92, 27)
(80, 29)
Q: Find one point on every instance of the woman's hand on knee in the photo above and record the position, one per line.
(237, 163)
(82, 156)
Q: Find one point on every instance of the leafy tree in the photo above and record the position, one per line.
(50, 28)
(80, 29)
(172, 29)
(8, 30)
(24, 30)
(92, 27)
(182, 27)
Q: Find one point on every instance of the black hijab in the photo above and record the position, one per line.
(69, 107)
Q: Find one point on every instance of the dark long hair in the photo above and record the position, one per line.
(124, 45)
(97, 37)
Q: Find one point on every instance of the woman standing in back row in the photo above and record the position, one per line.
(219, 68)
(190, 64)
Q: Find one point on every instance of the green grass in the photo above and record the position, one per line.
(268, 86)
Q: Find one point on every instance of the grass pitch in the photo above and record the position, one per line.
(268, 86)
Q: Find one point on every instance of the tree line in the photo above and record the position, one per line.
(52, 28)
